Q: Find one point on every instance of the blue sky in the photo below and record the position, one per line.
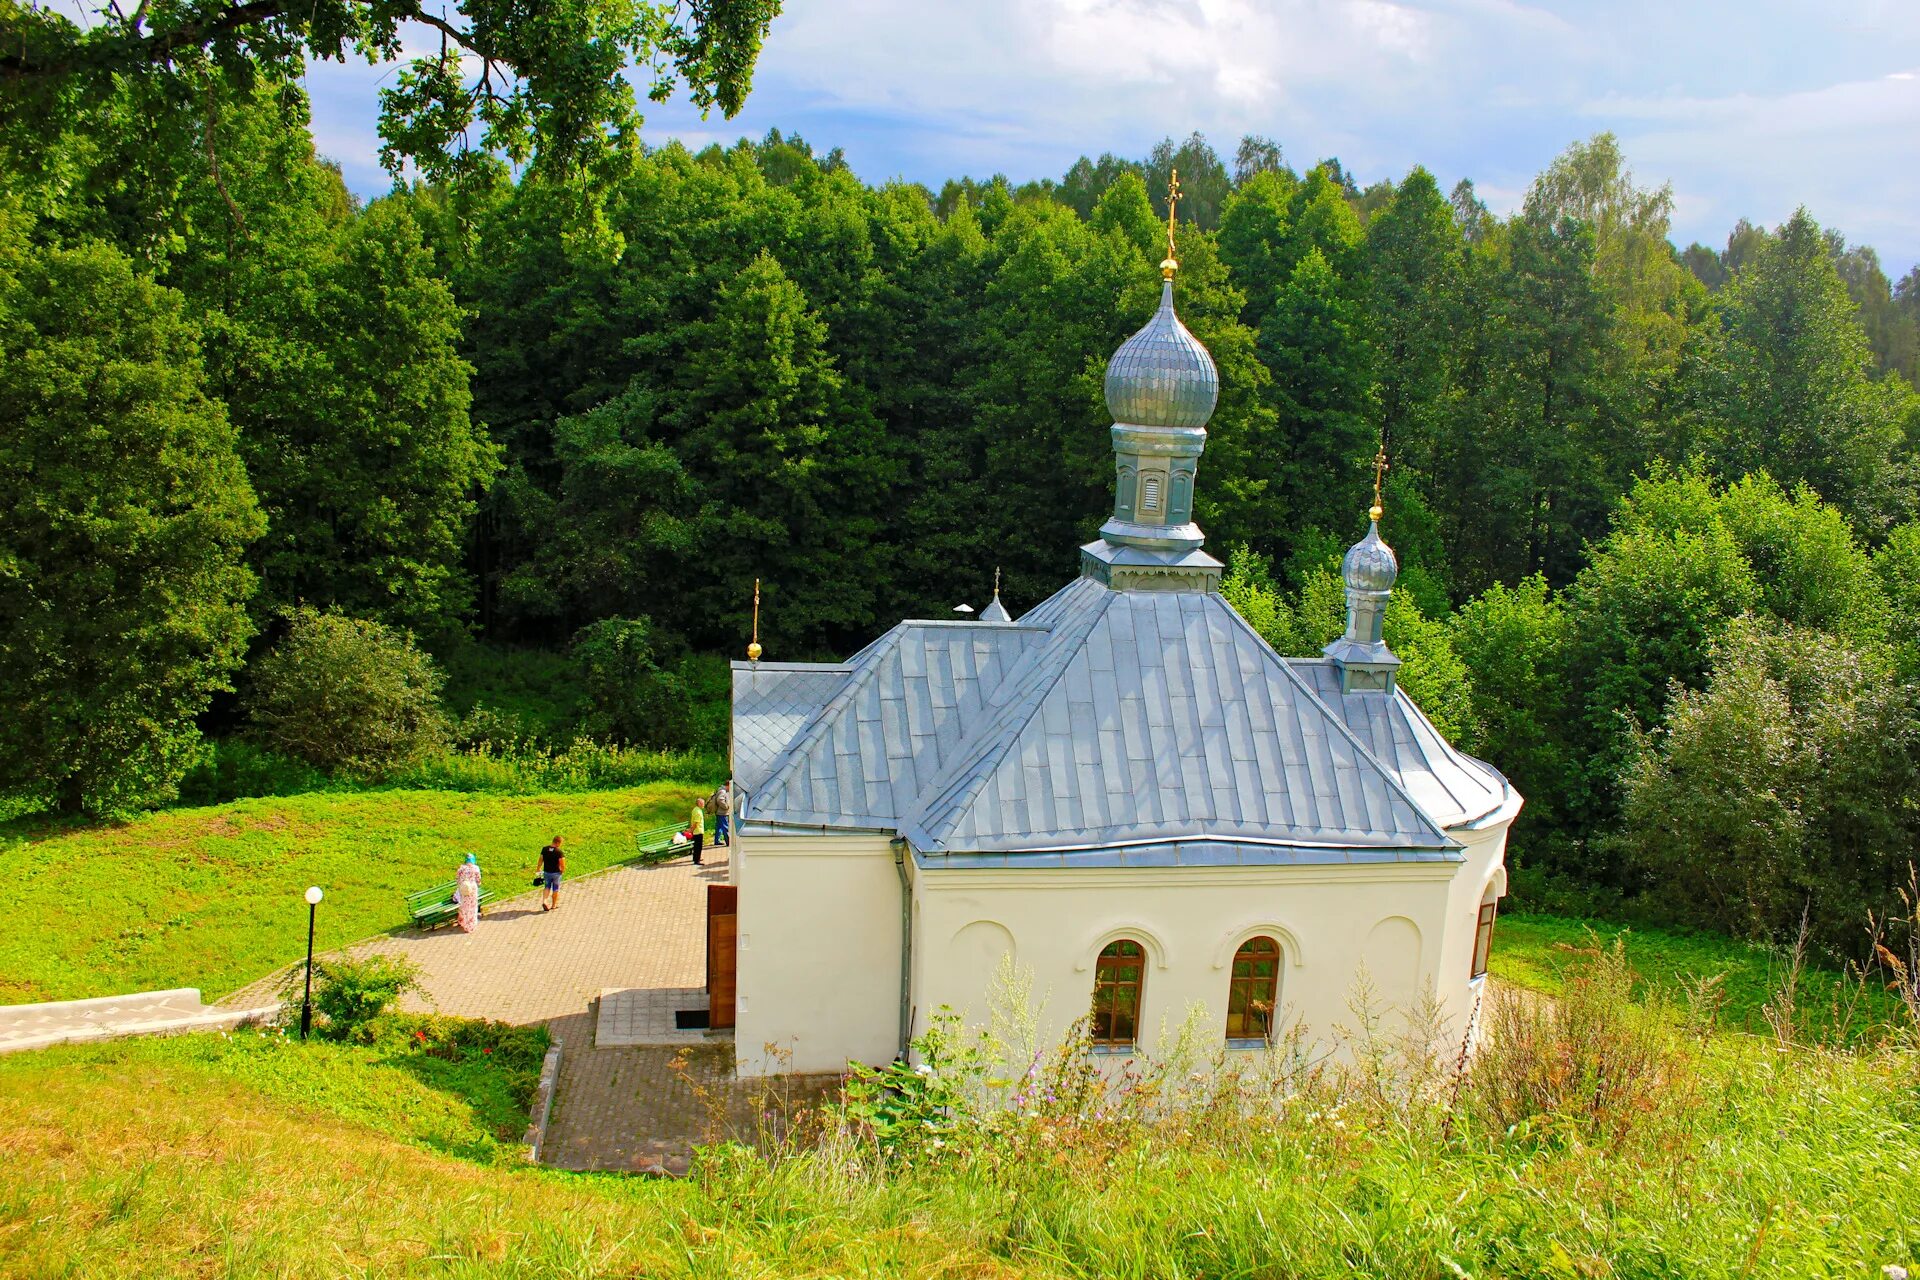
(1748, 108)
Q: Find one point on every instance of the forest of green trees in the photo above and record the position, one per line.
(1657, 507)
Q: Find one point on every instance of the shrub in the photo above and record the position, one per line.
(626, 692)
(350, 994)
(235, 769)
(582, 765)
(1589, 1057)
(347, 695)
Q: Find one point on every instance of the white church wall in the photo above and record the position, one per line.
(1054, 923)
(819, 954)
(1485, 865)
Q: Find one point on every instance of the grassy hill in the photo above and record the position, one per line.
(211, 897)
(195, 1156)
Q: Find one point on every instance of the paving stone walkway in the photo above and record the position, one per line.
(638, 930)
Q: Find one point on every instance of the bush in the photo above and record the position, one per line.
(627, 694)
(582, 765)
(350, 994)
(237, 770)
(1589, 1058)
(348, 695)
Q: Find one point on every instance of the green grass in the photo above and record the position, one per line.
(210, 898)
(198, 1156)
(1537, 950)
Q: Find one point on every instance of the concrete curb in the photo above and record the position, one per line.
(184, 995)
(542, 1108)
(210, 1020)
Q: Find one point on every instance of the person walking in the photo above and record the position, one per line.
(697, 828)
(552, 862)
(466, 894)
(722, 812)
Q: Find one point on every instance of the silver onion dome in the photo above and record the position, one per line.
(1370, 564)
(1162, 376)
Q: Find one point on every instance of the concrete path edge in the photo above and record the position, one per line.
(542, 1102)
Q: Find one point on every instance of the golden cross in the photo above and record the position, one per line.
(1168, 267)
(996, 582)
(1379, 471)
(753, 647)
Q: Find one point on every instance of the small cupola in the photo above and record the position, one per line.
(1368, 570)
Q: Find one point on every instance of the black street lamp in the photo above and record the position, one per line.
(306, 1002)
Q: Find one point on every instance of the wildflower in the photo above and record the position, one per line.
(1894, 1271)
(488, 1049)
(921, 1068)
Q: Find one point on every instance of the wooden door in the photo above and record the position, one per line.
(722, 952)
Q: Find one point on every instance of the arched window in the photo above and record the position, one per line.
(1118, 976)
(1150, 493)
(1483, 933)
(1253, 993)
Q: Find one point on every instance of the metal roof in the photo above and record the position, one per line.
(1450, 786)
(1105, 727)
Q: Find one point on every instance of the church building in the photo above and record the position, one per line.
(1125, 791)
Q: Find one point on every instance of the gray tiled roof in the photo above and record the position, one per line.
(1132, 727)
(901, 708)
(772, 702)
(1160, 716)
(1449, 785)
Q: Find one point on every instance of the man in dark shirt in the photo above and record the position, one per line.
(552, 863)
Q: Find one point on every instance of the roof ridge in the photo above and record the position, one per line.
(968, 754)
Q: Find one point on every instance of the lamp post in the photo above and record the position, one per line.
(306, 1002)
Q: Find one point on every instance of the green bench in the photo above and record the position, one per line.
(661, 844)
(431, 908)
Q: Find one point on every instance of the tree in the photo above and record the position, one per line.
(1412, 258)
(1793, 393)
(1780, 788)
(1256, 153)
(354, 408)
(347, 695)
(788, 474)
(1253, 233)
(548, 80)
(628, 692)
(1205, 183)
(124, 519)
(1314, 342)
(1514, 640)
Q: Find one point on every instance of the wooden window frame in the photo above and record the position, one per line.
(1111, 991)
(1483, 939)
(1246, 988)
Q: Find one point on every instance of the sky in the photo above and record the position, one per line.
(1749, 108)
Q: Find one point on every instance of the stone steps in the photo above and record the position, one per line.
(138, 1013)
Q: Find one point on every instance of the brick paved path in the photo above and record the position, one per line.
(614, 1108)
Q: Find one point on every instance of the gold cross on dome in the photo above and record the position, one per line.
(1379, 472)
(1171, 264)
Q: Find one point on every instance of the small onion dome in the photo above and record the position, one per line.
(1162, 376)
(1370, 564)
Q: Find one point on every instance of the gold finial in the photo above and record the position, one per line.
(753, 647)
(1171, 264)
(996, 582)
(1379, 471)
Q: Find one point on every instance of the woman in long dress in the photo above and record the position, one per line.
(466, 893)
